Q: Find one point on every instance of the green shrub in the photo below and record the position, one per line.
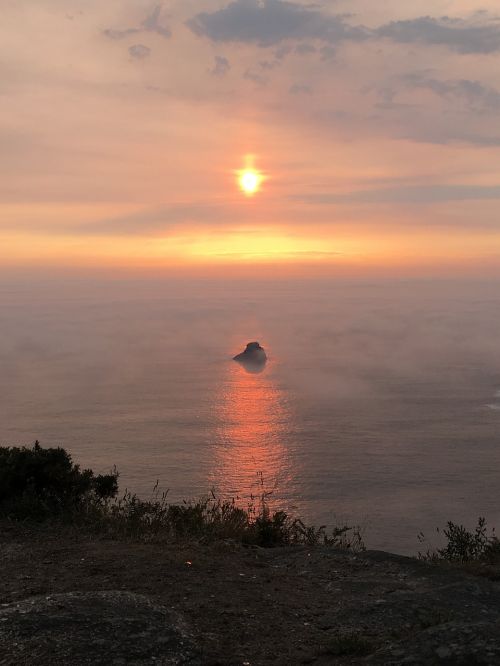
(463, 546)
(37, 483)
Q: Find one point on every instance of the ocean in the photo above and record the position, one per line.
(379, 405)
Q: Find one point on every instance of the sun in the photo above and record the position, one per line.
(250, 181)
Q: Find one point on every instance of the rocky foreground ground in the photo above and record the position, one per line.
(69, 599)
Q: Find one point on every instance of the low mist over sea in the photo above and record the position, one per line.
(379, 404)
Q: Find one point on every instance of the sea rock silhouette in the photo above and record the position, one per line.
(253, 359)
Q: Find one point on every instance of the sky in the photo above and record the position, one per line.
(375, 127)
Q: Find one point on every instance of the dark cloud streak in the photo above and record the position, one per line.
(456, 34)
(474, 94)
(272, 22)
(414, 194)
(121, 34)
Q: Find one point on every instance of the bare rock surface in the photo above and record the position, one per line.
(282, 606)
(459, 643)
(112, 628)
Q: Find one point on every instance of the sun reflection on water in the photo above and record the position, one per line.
(252, 451)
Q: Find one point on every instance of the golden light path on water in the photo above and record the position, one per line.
(252, 440)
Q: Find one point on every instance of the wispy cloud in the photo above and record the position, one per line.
(112, 33)
(416, 194)
(221, 66)
(300, 89)
(474, 94)
(461, 35)
(258, 79)
(150, 24)
(158, 221)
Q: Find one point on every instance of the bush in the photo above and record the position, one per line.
(463, 546)
(38, 483)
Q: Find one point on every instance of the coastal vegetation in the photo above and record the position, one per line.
(44, 484)
(463, 546)
(89, 572)
(40, 485)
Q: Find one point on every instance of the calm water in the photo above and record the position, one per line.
(380, 403)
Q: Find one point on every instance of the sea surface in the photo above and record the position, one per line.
(379, 405)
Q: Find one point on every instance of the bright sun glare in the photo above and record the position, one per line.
(249, 181)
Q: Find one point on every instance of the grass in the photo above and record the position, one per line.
(39, 484)
(213, 519)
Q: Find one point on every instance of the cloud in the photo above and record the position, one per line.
(221, 66)
(420, 122)
(282, 52)
(150, 24)
(259, 80)
(139, 51)
(160, 221)
(274, 22)
(474, 94)
(298, 89)
(305, 49)
(298, 254)
(270, 22)
(267, 65)
(442, 135)
(121, 34)
(147, 222)
(414, 194)
(327, 53)
(452, 110)
(463, 36)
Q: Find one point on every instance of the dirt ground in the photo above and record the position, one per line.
(251, 606)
